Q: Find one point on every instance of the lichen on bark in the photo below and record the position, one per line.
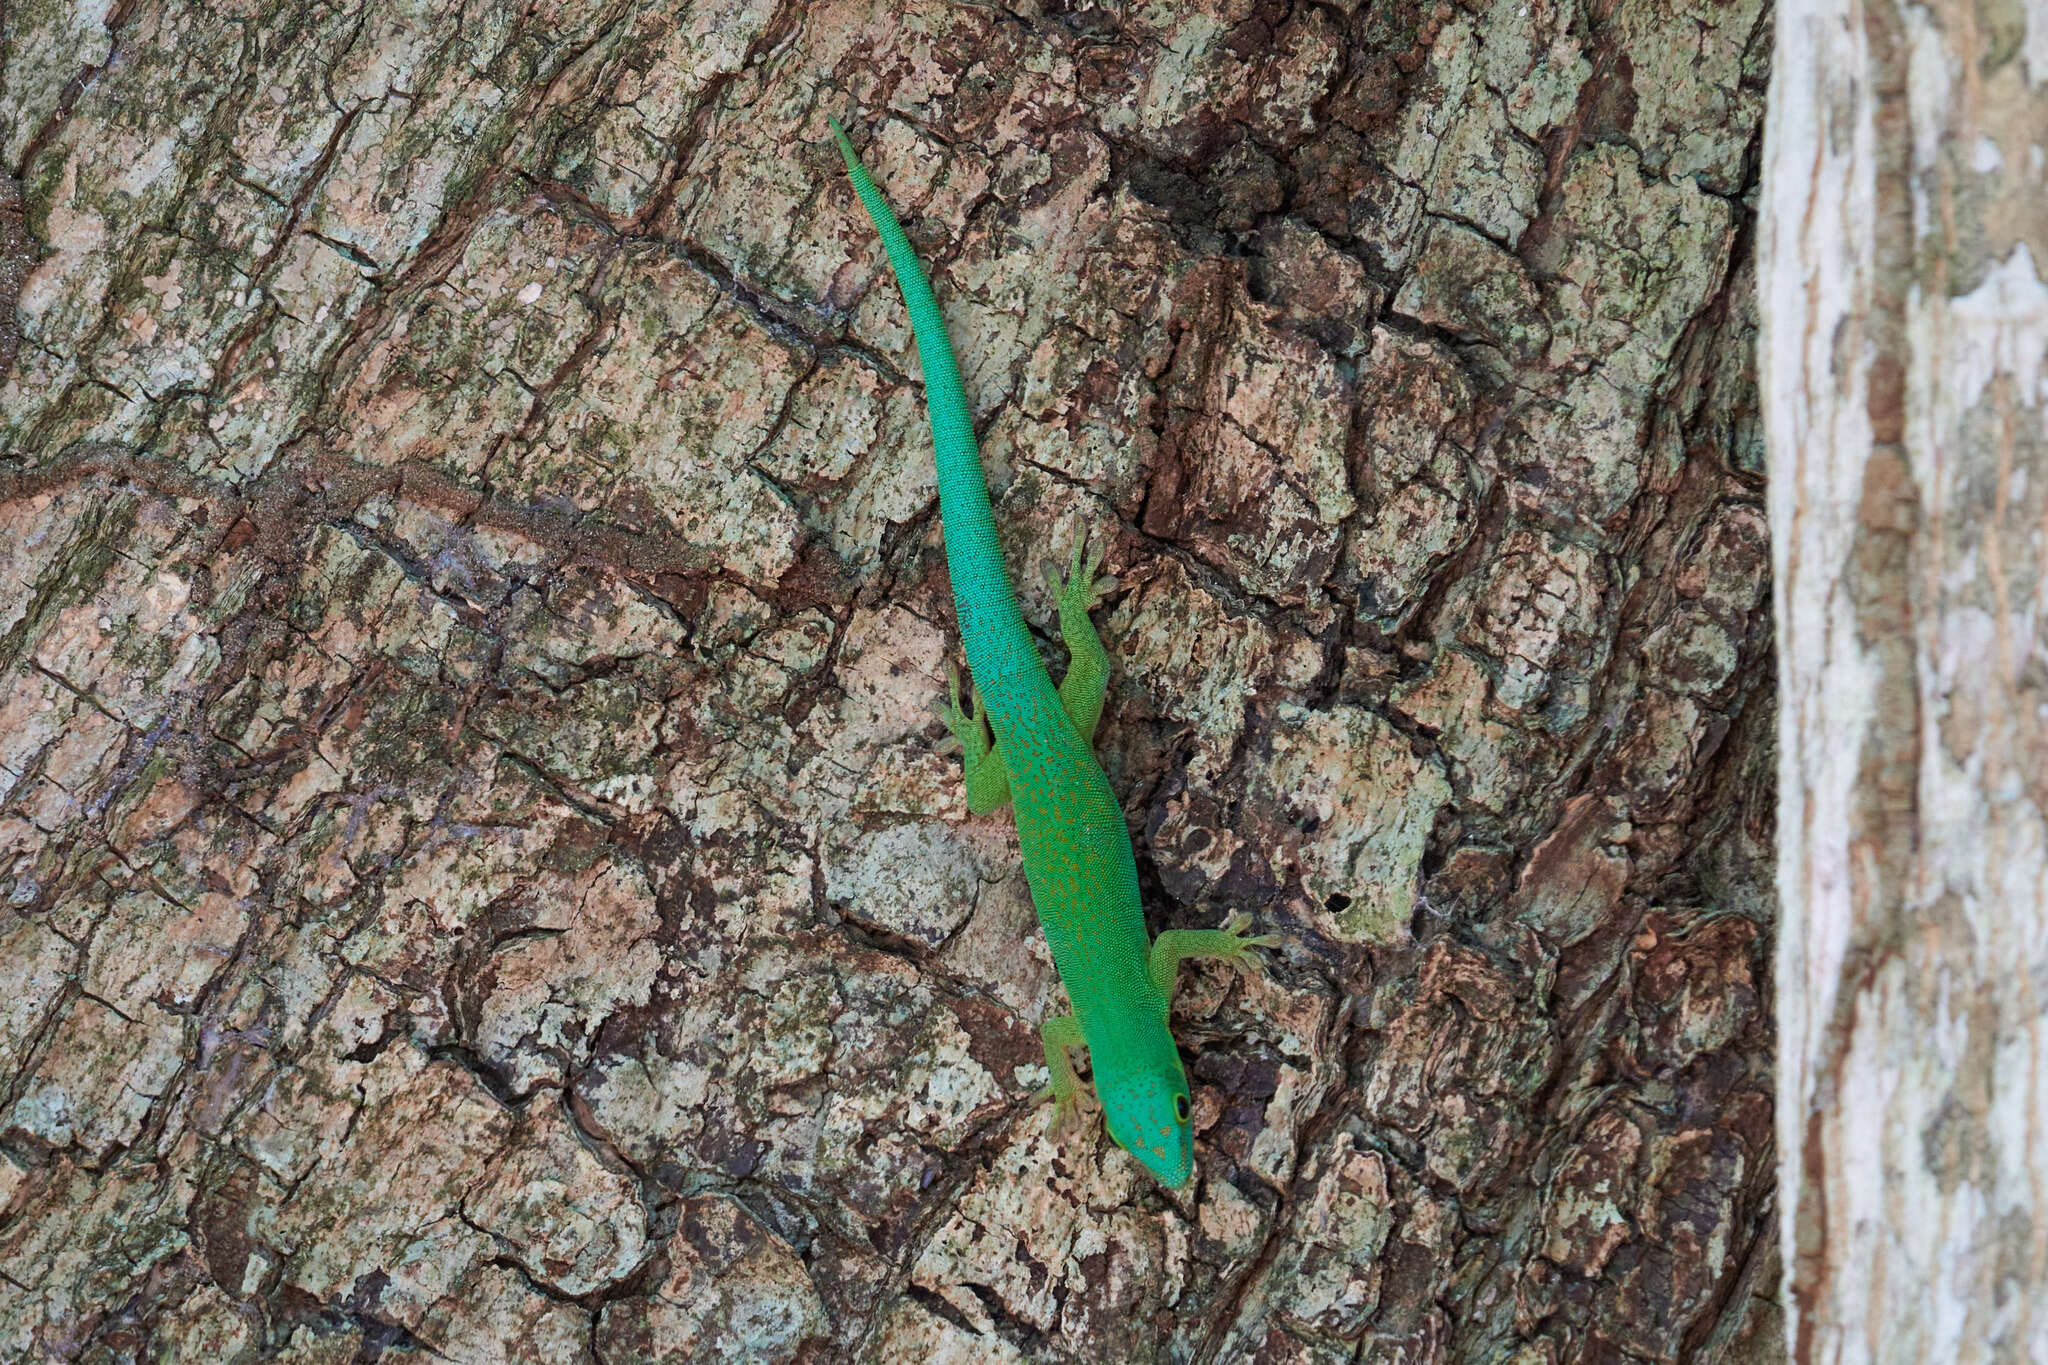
(482, 880)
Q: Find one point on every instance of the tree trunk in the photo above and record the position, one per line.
(481, 882)
(1905, 337)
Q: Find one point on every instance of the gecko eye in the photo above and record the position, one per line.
(1180, 1107)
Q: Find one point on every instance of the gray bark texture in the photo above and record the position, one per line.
(480, 878)
(1906, 345)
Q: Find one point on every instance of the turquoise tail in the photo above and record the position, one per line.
(998, 646)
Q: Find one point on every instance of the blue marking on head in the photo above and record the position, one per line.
(1149, 1115)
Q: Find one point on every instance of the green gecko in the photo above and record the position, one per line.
(1077, 852)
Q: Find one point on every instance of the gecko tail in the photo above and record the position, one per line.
(991, 627)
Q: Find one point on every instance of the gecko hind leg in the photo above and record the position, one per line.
(1087, 678)
(988, 781)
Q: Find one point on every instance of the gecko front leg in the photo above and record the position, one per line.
(1067, 1091)
(1230, 943)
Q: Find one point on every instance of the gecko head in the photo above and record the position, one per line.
(1147, 1112)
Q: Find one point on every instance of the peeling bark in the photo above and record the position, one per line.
(1905, 342)
(480, 878)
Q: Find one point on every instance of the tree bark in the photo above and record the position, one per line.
(1905, 339)
(480, 878)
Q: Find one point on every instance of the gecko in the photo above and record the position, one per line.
(1031, 746)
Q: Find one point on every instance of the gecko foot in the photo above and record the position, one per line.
(1242, 942)
(969, 727)
(1075, 1107)
(1079, 589)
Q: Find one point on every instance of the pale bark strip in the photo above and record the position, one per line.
(1905, 361)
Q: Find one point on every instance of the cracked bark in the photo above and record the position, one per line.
(480, 880)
